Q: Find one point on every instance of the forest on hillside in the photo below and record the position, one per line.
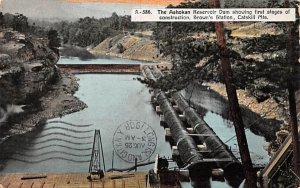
(91, 31)
(20, 23)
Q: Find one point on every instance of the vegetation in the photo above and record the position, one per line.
(1, 19)
(180, 41)
(91, 31)
(20, 23)
(54, 40)
(198, 60)
(195, 57)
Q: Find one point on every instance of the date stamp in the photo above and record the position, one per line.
(134, 140)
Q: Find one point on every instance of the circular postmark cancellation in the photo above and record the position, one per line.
(134, 140)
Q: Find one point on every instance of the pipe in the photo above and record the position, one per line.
(156, 72)
(187, 148)
(233, 170)
(149, 74)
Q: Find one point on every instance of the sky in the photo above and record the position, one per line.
(70, 9)
(153, 2)
(74, 9)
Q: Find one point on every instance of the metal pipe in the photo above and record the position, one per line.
(233, 170)
(149, 74)
(188, 150)
(156, 72)
(186, 146)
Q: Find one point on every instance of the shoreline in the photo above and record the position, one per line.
(58, 101)
(268, 109)
(110, 54)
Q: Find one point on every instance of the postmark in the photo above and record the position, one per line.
(134, 140)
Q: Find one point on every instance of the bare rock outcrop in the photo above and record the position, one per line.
(130, 47)
(32, 88)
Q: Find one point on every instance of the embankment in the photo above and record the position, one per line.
(32, 88)
(130, 47)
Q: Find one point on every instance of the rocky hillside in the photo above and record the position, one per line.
(129, 47)
(24, 62)
(31, 87)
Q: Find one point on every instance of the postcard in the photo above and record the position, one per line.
(156, 93)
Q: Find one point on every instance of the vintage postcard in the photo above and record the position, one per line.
(149, 93)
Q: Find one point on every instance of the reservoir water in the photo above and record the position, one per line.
(112, 100)
(65, 144)
(214, 109)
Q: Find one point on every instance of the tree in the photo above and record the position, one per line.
(115, 21)
(293, 56)
(234, 107)
(20, 23)
(1, 19)
(54, 40)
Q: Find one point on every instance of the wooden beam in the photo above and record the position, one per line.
(202, 149)
(182, 117)
(168, 134)
(158, 110)
(162, 121)
(27, 177)
(190, 130)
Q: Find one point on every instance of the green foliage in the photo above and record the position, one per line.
(91, 31)
(265, 43)
(197, 58)
(20, 23)
(1, 19)
(167, 34)
(54, 40)
(175, 40)
(115, 21)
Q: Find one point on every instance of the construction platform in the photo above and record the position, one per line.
(75, 180)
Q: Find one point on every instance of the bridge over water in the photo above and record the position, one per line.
(100, 68)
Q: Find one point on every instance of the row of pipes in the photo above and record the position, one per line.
(190, 155)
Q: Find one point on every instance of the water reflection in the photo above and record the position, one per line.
(112, 99)
(205, 100)
(46, 143)
(65, 144)
(214, 108)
